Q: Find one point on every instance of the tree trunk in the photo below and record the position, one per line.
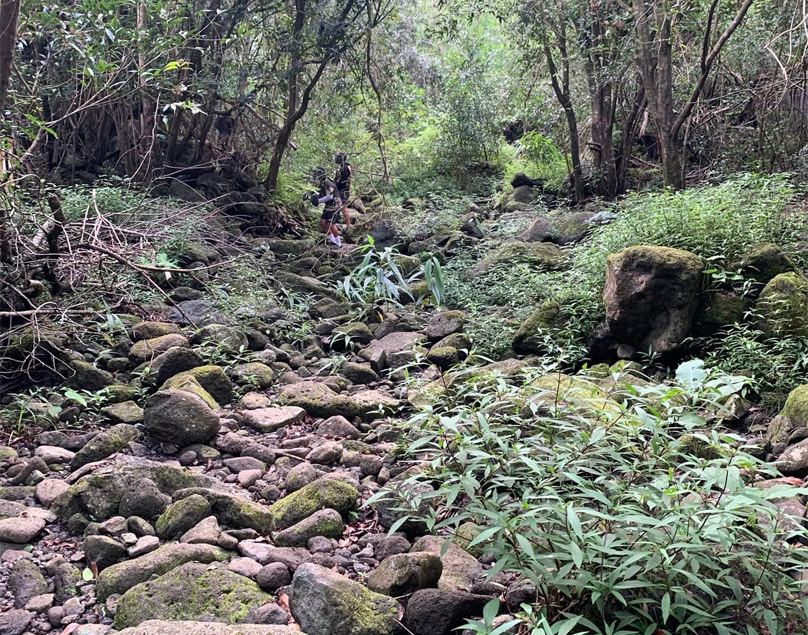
(9, 15)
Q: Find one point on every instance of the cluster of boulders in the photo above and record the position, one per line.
(204, 496)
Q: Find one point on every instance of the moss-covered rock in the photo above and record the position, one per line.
(796, 407)
(118, 393)
(542, 256)
(233, 510)
(717, 310)
(146, 350)
(191, 591)
(783, 306)
(693, 445)
(531, 336)
(324, 602)
(444, 357)
(351, 334)
(88, 377)
(149, 330)
(186, 382)
(104, 444)
(180, 417)
(254, 374)
(182, 516)
(444, 323)
(123, 412)
(228, 337)
(166, 365)
(326, 522)
(319, 400)
(99, 494)
(213, 380)
(765, 262)
(459, 567)
(405, 573)
(650, 296)
(171, 627)
(321, 494)
(121, 577)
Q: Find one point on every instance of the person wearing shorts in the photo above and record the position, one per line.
(343, 181)
(329, 197)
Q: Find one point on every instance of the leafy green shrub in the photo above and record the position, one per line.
(621, 523)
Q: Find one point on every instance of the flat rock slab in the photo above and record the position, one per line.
(10, 509)
(159, 627)
(274, 418)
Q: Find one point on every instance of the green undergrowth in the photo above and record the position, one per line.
(717, 222)
(623, 502)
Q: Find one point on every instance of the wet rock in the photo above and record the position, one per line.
(105, 444)
(180, 417)
(326, 603)
(121, 577)
(191, 591)
(274, 418)
(25, 582)
(181, 516)
(326, 522)
(405, 573)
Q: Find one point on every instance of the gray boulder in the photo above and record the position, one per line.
(179, 417)
(326, 603)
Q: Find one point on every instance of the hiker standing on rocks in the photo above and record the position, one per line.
(343, 180)
(329, 195)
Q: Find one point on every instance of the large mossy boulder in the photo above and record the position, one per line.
(783, 306)
(121, 577)
(542, 256)
(324, 602)
(223, 336)
(192, 591)
(166, 365)
(319, 400)
(796, 407)
(324, 493)
(765, 262)
(180, 417)
(650, 295)
(149, 330)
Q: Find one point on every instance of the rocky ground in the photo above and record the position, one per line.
(229, 498)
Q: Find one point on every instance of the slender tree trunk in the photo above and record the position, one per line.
(9, 16)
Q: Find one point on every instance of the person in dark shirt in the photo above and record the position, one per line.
(328, 195)
(343, 180)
